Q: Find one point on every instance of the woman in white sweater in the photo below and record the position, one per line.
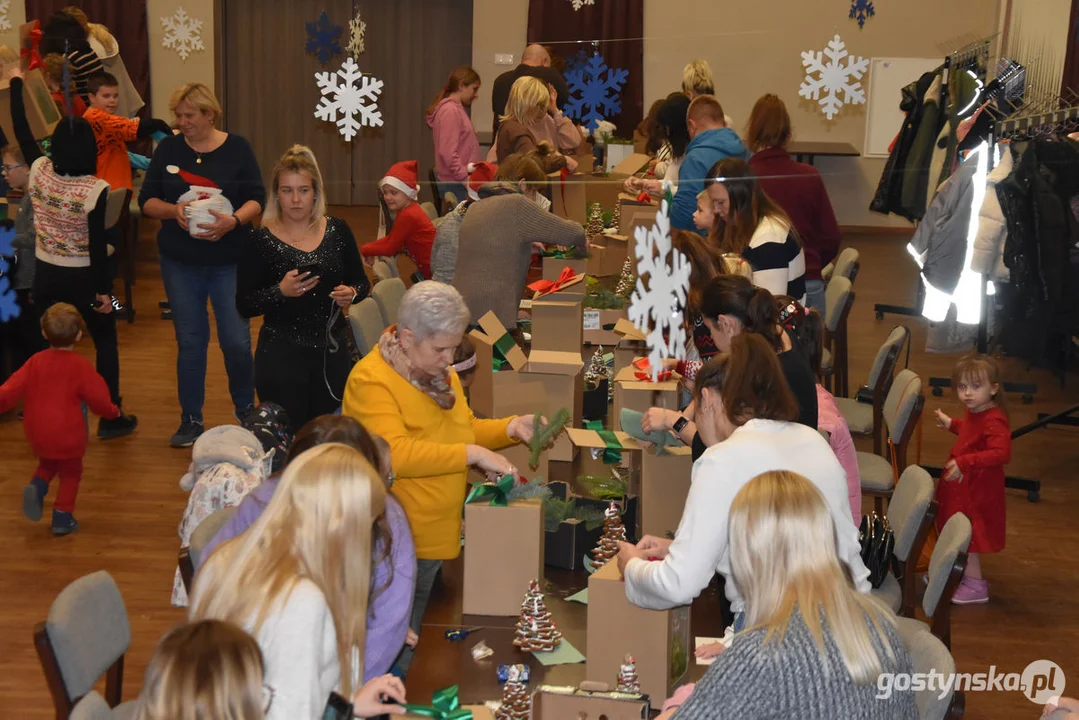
(298, 580)
(745, 415)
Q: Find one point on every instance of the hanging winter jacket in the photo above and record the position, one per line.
(988, 257)
(940, 243)
(889, 195)
(916, 170)
(962, 90)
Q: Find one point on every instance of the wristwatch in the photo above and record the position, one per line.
(680, 424)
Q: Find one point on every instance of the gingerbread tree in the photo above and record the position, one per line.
(596, 371)
(536, 632)
(516, 702)
(595, 220)
(628, 682)
(616, 217)
(627, 281)
(613, 532)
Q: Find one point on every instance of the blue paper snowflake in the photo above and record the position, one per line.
(594, 91)
(9, 306)
(7, 236)
(577, 60)
(323, 38)
(860, 10)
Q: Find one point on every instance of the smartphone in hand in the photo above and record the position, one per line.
(311, 268)
(337, 708)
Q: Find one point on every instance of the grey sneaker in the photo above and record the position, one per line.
(186, 434)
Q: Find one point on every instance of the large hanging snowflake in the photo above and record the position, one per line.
(345, 91)
(578, 4)
(593, 91)
(183, 33)
(357, 33)
(9, 304)
(7, 239)
(833, 77)
(656, 307)
(578, 60)
(860, 10)
(323, 38)
(5, 7)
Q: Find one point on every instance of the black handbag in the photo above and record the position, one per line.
(878, 542)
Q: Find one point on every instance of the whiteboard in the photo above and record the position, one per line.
(887, 78)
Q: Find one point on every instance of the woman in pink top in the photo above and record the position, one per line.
(456, 144)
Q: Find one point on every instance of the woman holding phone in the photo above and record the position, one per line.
(302, 271)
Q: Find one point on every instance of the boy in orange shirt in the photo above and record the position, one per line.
(114, 132)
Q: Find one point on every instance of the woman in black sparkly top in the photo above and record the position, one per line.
(302, 271)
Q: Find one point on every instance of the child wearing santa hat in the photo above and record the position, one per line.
(412, 230)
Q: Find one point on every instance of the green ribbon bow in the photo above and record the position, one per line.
(611, 454)
(445, 705)
(502, 346)
(559, 254)
(497, 363)
(498, 492)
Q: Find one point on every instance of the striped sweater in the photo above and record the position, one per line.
(778, 262)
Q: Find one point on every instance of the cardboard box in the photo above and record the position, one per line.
(596, 401)
(561, 375)
(634, 214)
(598, 326)
(558, 323)
(568, 703)
(658, 640)
(567, 546)
(496, 394)
(479, 712)
(631, 346)
(616, 154)
(629, 392)
(552, 269)
(41, 111)
(519, 454)
(608, 254)
(503, 553)
(664, 488)
(631, 165)
(588, 440)
(568, 196)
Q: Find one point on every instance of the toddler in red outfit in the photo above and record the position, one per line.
(54, 385)
(413, 232)
(973, 479)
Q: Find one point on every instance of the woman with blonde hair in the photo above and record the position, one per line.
(299, 581)
(302, 271)
(813, 646)
(527, 104)
(207, 670)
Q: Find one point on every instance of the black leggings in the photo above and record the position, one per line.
(294, 377)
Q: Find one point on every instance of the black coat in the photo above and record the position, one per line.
(888, 198)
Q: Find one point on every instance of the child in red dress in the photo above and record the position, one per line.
(973, 479)
(54, 384)
(412, 231)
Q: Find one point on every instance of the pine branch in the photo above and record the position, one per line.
(604, 487)
(600, 298)
(534, 488)
(556, 511)
(543, 435)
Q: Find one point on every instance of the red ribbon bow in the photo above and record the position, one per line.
(32, 51)
(642, 370)
(644, 198)
(546, 287)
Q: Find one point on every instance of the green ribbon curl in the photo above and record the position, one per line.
(498, 492)
(445, 705)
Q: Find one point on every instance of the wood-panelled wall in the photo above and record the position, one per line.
(270, 93)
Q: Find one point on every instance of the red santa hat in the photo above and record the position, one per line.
(191, 178)
(478, 174)
(402, 176)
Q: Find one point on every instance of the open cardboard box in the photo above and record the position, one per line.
(493, 585)
(629, 392)
(599, 326)
(566, 547)
(607, 255)
(571, 703)
(634, 213)
(495, 394)
(561, 375)
(41, 111)
(568, 196)
(552, 269)
(479, 712)
(589, 440)
(631, 345)
(665, 479)
(557, 323)
(658, 640)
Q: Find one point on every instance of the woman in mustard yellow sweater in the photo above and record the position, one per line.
(405, 391)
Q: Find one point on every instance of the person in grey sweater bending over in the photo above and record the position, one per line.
(814, 647)
(497, 236)
(745, 416)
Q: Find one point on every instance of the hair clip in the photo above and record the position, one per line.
(466, 364)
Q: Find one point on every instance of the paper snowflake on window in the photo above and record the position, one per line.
(594, 91)
(860, 10)
(578, 4)
(578, 60)
(7, 238)
(833, 77)
(345, 92)
(323, 38)
(183, 33)
(5, 7)
(357, 32)
(656, 305)
(9, 304)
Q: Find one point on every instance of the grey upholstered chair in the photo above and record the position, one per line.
(911, 513)
(863, 412)
(929, 655)
(85, 636)
(946, 566)
(838, 301)
(429, 209)
(191, 556)
(94, 707)
(367, 324)
(388, 294)
(384, 270)
(901, 413)
(846, 265)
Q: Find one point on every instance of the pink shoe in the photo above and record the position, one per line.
(971, 591)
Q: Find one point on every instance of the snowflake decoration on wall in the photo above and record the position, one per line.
(345, 91)
(656, 309)
(860, 10)
(9, 304)
(183, 33)
(593, 91)
(578, 60)
(833, 77)
(323, 38)
(5, 8)
(7, 239)
(357, 33)
(578, 4)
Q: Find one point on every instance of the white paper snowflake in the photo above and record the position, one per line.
(183, 33)
(656, 309)
(5, 7)
(833, 77)
(578, 4)
(349, 89)
(357, 32)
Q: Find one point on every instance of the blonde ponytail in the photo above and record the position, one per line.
(299, 159)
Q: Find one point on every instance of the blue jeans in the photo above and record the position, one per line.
(188, 287)
(426, 574)
(815, 295)
(457, 188)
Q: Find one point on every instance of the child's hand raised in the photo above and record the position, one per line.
(943, 420)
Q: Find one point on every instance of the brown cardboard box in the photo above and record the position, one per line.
(568, 197)
(560, 703)
(558, 323)
(632, 345)
(493, 535)
(608, 254)
(518, 455)
(599, 326)
(632, 165)
(479, 712)
(635, 214)
(561, 375)
(495, 394)
(41, 110)
(658, 640)
(552, 268)
(641, 394)
(588, 440)
(664, 487)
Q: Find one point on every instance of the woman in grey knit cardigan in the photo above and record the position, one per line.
(496, 238)
(790, 663)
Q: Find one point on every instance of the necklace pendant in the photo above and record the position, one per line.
(198, 161)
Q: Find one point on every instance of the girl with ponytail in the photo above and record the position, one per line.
(455, 139)
(302, 271)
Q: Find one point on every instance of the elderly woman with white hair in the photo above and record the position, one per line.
(406, 391)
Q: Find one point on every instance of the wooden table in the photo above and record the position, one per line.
(439, 663)
(805, 151)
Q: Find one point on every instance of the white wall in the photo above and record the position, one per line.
(167, 70)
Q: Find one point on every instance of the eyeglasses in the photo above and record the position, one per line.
(390, 478)
(267, 698)
(9, 168)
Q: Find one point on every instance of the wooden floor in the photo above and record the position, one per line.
(130, 505)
